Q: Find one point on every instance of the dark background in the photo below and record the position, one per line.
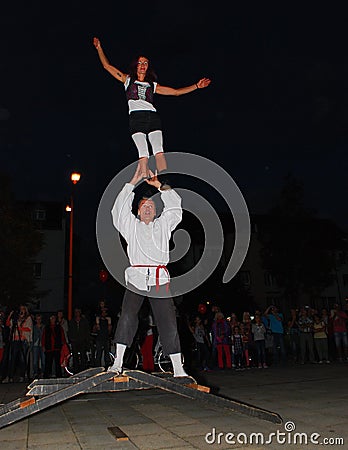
(277, 103)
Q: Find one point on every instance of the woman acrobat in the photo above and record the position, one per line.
(144, 121)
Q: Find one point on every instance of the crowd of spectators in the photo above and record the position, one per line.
(31, 347)
(264, 338)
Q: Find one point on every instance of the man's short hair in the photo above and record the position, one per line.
(148, 195)
(143, 200)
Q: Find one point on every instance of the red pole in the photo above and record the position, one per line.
(70, 274)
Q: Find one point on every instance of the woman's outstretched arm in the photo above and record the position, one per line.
(105, 62)
(166, 90)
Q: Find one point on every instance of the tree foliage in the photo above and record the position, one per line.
(19, 243)
(299, 249)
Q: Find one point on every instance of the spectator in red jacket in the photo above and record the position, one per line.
(339, 326)
(53, 338)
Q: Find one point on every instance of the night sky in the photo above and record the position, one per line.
(277, 102)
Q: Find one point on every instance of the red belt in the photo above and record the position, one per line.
(158, 268)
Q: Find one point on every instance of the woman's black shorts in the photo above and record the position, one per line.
(144, 122)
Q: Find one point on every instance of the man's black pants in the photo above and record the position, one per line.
(164, 315)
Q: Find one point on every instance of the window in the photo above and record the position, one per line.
(345, 279)
(342, 258)
(39, 214)
(269, 279)
(276, 301)
(37, 269)
(331, 301)
(244, 277)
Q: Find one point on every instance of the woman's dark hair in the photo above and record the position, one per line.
(150, 73)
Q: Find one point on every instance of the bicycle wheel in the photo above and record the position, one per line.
(112, 358)
(69, 366)
(131, 358)
(165, 363)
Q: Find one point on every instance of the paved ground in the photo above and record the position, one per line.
(313, 398)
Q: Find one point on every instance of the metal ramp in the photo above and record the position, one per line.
(201, 393)
(45, 393)
(24, 407)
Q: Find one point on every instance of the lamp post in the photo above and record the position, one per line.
(75, 178)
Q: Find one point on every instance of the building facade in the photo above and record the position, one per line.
(49, 265)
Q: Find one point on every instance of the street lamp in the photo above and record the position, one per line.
(75, 178)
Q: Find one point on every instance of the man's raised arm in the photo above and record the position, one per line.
(122, 216)
(172, 211)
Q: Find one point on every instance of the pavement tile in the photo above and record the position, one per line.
(144, 392)
(106, 409)
(192, 429)
(84, 410)
(163, 441)
(220, 419)
(154, 410)
(97, 440)
(175, 419)
(53, 427)
(44, 437)
(60, 446)
(182, 402)
(142, 429)
(200, 442)
(129, 420)
(336, 430)
(15, 444)
(198, 412)
(87, 430)
(77, 420)
(123, 445)
(313, 397)
(15, 431)
(187, 447)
